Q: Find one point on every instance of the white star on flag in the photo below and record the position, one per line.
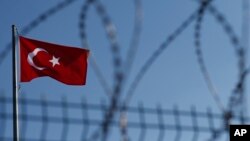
(55, 61)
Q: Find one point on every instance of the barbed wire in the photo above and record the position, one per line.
(156, 54)
(131, 54)
(40, 19)
(84, 41)
(117, 62)
(199, 54)
(37, 21)
(240, 53)
(3, 109)
(236, 98)
(134, 44)
(245, 39)
(237, 47)
(24, 124)
(121, 72)
(243, 57)
(228, 29)
(64, 120)
(221, 20)
(226, 26)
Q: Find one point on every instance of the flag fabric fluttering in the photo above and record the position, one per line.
(65, 64)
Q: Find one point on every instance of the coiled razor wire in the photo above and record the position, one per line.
(156, 54)
(220, 19)
(199, 54)
(144, 124)
(128, 64)
(134, 44)
(37, 21)
(83, 37)
(131, 52)
(117, 62)
(245, 43)
(115, 49)
(237, 97)
(42, 18)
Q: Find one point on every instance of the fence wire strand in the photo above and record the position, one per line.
(121, 73)
(64, 120)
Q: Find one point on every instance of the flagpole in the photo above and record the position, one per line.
(14, 86)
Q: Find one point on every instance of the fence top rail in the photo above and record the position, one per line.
(130, 109)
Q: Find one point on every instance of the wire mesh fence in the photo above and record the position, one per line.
(39, 118)
(87, 121)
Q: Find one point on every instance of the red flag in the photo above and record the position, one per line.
(65, 64)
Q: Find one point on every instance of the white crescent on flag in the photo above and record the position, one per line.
(31, 55)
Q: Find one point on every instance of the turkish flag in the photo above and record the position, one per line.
(65, 64)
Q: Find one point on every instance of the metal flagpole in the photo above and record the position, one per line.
(14, 86)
